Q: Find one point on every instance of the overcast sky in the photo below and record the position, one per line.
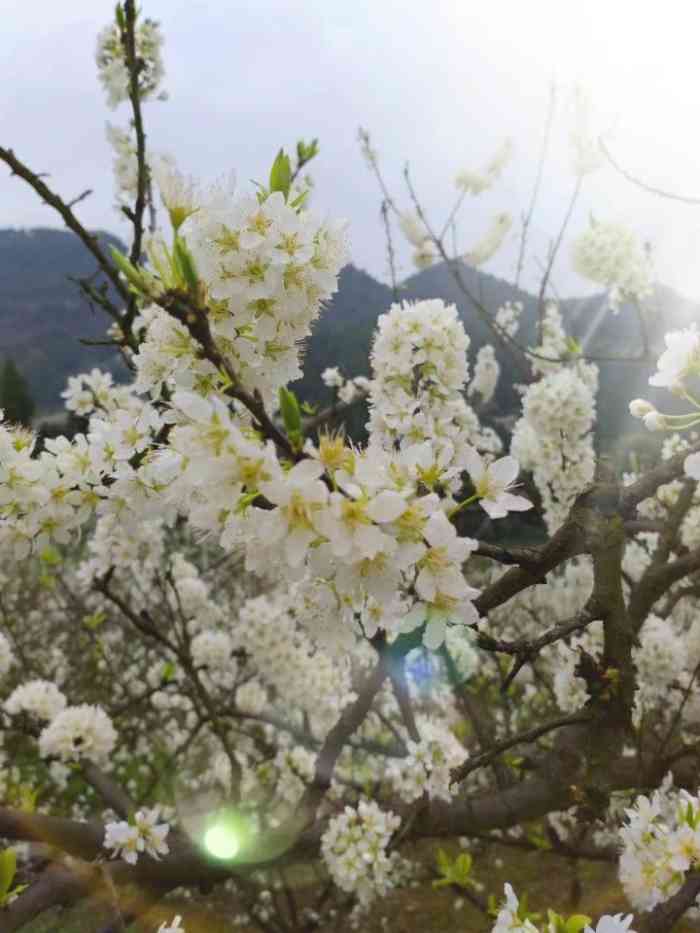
(439, 84)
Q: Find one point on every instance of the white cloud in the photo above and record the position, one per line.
(438, 84)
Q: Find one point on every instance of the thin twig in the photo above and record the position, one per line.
(553, 252)
(527, 219)
(81, 197)
(471, 764)
(651, 189)
(391, 256)
(71, 221)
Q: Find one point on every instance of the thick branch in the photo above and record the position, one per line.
(663, 918)
(350, 720)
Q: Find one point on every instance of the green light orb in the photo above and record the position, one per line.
(221, 841)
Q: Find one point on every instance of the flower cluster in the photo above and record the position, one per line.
(79, 732)
(429, 763)
(354, 849)
(88, 392)
(267, 266)
(679, 361)
(348, 389)
(45, 498)
(475, 182)
(661, 655)
(39, 698)
(6, 656)
(661, 842)
(553, 438)
(508, 317)
(610, 255)
(112, 63)
(420, 371)
(677, 370)
(418, 236)
(124, 166)
(512, 918)
(486, 372)
(174, 927)
(489, 244)
(143, 835)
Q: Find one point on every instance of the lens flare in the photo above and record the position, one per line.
(221, 841)
(420, 668)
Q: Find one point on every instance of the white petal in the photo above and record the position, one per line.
(504, 471)
(425, 585)
(296, 545)
(516, 503)
(369, 540)
(192, 405)
(466, 610)
(434, 634)
(692, 466)
(494, 507)
(305, 470)
(474, 464)
(438, 530)
(386, 507)
(414, 618)
(452, 582)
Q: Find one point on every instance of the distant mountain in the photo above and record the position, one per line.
(43, 317)
(344, 333)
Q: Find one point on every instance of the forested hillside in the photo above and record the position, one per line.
(44, 317)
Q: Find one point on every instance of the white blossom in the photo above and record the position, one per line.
(79, 732)
(610, 254)
(40, 698)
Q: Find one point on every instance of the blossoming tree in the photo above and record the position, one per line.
(232, 641)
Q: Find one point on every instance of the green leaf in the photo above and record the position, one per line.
(537, 838)
(306, 151)
(281, 174)
(290, 411)
(245, 500)
(168, 672)
(576, 923)
(8, 868)
(460, 729)
(50, 556)
(462, 868)
(185, 265)
(443, 862)
(95, 620)
(456, 872)
(300, 200)
(128, 269)
(441, 883)
(27, 798)
(119, 16)
(573, 347)
(17, 890)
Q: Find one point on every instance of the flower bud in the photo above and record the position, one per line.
(639, 407)
(654, 421)
(691, 466)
